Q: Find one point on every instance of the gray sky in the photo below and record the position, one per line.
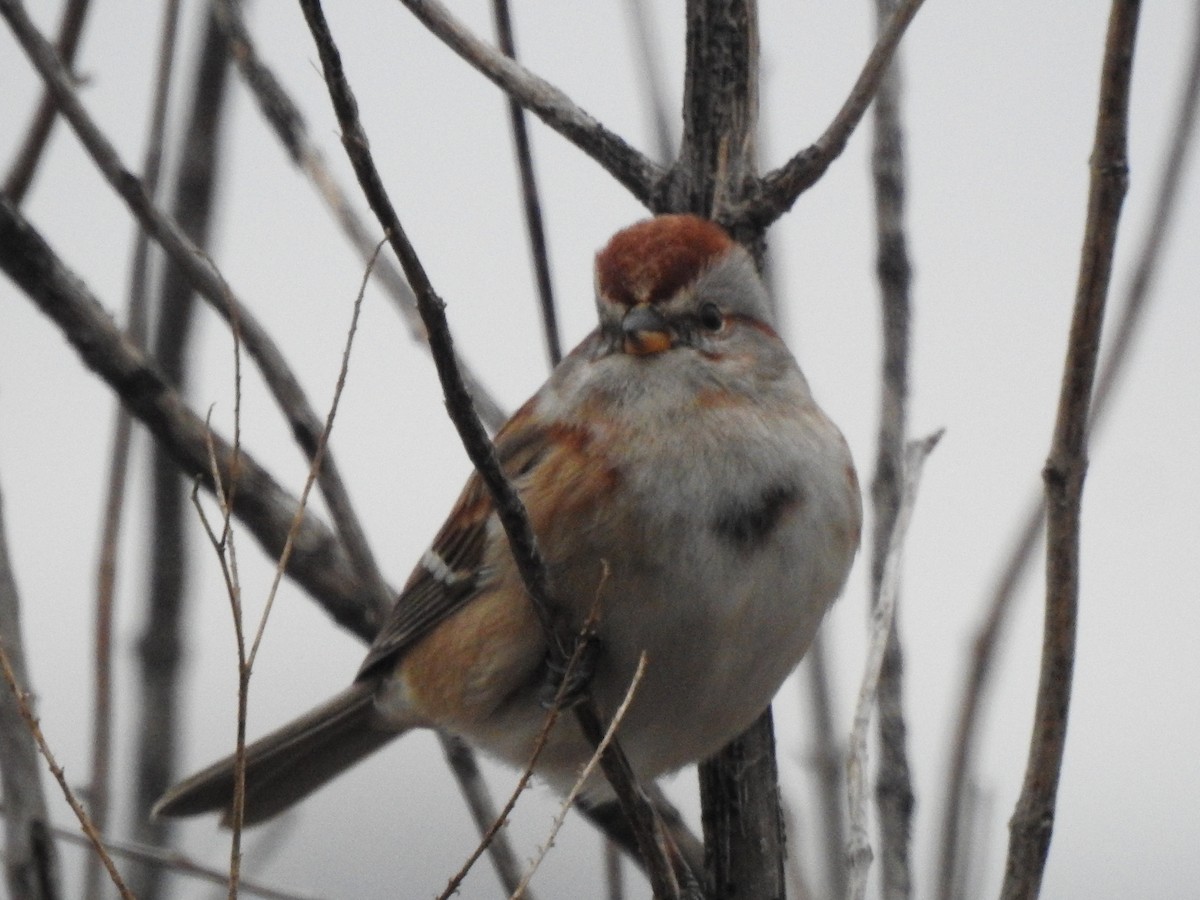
(1000, 100)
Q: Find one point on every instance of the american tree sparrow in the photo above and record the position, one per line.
(677, 473)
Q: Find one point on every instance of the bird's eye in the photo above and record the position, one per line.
(711, 317)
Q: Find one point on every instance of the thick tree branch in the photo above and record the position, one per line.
(633, 170)
(739, 789)
(1032, 823)
(717, 160)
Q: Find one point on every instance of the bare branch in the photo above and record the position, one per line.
(168, 859)
(31, 864)
(21, 698)
(318, 563)
(584, 775)
(613, 877)
(858, 848)
(717, 160)
(303, 421)
(529, 192)
(778, 190)
(98, 790)
(1135, 301)
(629, 167)
(893, 789)
(1033, 819)
(289, 126)
(20, 176)
(159, 646)
(461, 759)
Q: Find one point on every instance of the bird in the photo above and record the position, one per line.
(685, 491)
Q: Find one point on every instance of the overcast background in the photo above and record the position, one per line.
(1000, 102)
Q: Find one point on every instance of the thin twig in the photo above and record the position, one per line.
(85, 821)
(584, 775)
(1032, 823)
(303, 422)
(629, 167)
(509, 508)
(539, 745)
(317, 458)
(778, 190)
(288, 124)
(30, 857)
(1134, 303)
(319, 563)
(136, 315)
(465, 767)
(285, 119)
(798, 887)
(529, 193)
(20, 176)
(167, 859)
(858, 849)
(224, 545)
(893, 789)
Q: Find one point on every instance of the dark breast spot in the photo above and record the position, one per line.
(748, 524)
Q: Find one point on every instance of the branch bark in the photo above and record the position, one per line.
(1032, 823)
(893, 788)
(629, 167)
(858, 849)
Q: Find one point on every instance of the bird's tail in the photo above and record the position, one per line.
(288, 764)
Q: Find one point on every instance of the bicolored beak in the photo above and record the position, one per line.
(645, 331)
